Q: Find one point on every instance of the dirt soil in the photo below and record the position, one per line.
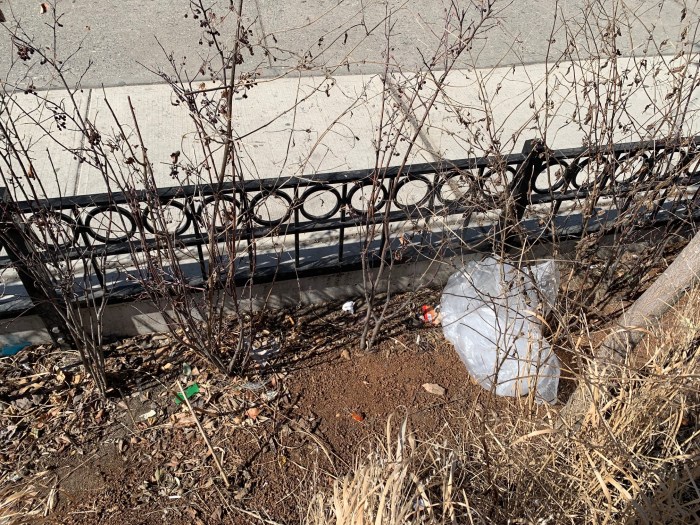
(310, 408)
(290, 429)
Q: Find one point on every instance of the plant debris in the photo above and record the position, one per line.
(434, 388)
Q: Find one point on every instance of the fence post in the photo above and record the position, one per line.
(45, 301)
(519, 195)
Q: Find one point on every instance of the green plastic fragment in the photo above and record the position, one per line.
(189, 392)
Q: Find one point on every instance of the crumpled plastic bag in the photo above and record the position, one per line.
(489, 313)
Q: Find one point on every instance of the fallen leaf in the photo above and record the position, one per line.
(43, 8)
(345, 354)
(174, 156)
(182, 420)
(253, 413)
(433, 388)
(33, 386)
(23, 403)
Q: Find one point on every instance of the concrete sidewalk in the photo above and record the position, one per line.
(307, 125)
(120, 38)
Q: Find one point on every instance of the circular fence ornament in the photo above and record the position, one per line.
(271, 207)
(53, 229)
(455, 187)
(171, 218)
(223, 213)
(363, 194)
(412, 192)
(552, 177)
(110, 224)
(320, 202)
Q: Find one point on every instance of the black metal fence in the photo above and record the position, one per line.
(298, 226)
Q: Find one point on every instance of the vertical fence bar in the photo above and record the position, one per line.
(296, 205)
(45, 300)
(341, 230)
(189, 203)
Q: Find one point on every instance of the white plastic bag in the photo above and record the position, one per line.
(489, 313)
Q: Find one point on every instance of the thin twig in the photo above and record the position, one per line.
(204, 435)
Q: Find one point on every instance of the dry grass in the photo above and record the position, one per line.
(634, 459)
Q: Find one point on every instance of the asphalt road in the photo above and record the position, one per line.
(126, 42)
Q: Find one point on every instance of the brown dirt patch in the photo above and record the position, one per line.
(78, 459)
(318, 407)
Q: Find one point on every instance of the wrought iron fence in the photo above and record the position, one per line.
(298, 226)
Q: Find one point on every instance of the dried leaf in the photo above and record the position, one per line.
(23, 403)
(434, 388)
(253, 413)
(43, 8)
(182, 420)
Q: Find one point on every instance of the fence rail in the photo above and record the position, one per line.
(315, 224)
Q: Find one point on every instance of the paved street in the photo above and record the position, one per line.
(120, 38)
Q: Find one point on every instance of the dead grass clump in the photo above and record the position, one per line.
(633, 460)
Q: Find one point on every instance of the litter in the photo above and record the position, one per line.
(349, 307)
(490, 313)
(357, 416)
(148, 415)
(189, 392)
(254, 385)
(13, 349)
(429, 315)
